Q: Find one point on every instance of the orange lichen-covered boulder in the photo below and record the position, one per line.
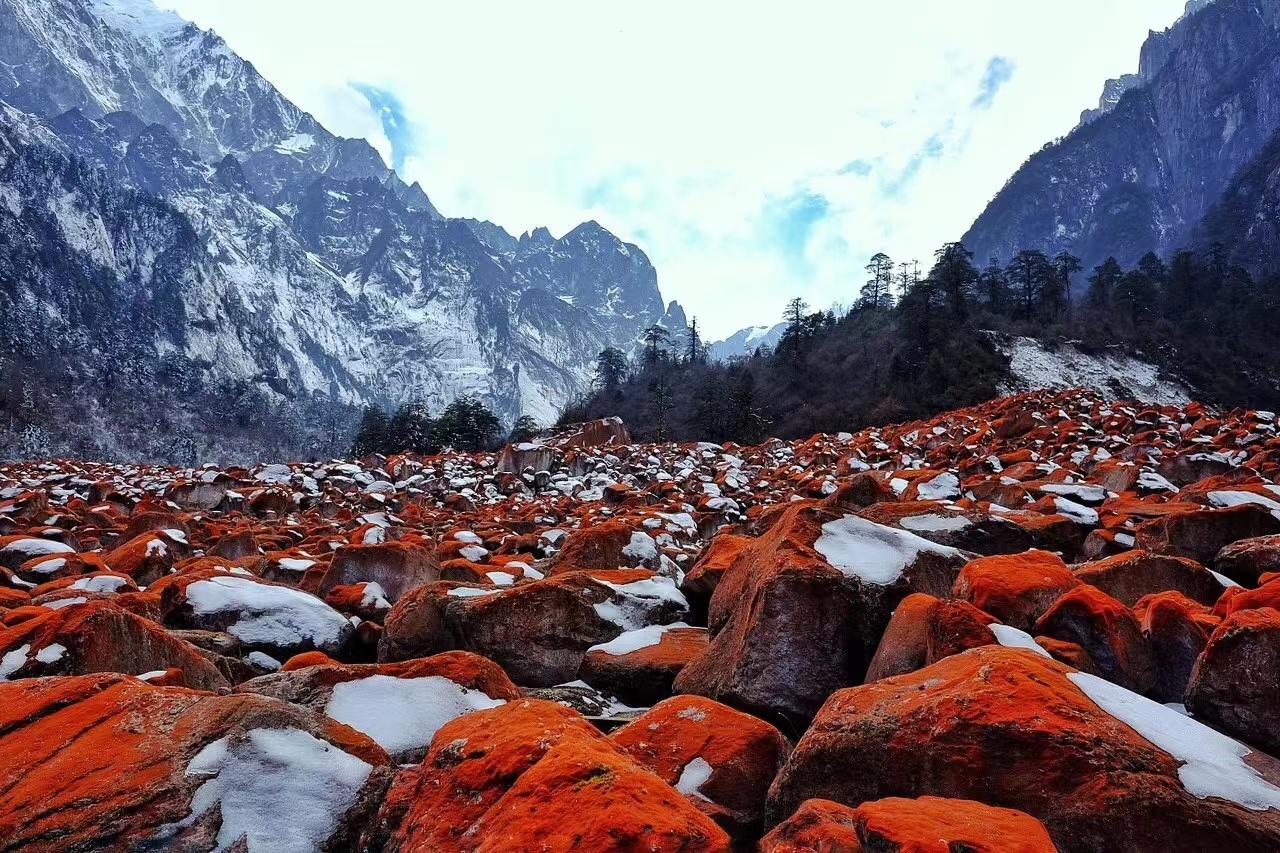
(396, 567)
(1107, 630)
(899, 825)
(806, 604)
(639, 666)
(1018, 730)
(99, 636)
(1128, 577)
(606, 545)
(700, 581)
(1201, 534)
(1248, 560)
(146, 558)
(1235, 686)
(399, 705)
(538, 632)
(1267, 595)
(534, 775)
(1177, 629)
(1016, 589)
(722, 760)
(924, 630)
(109, 762)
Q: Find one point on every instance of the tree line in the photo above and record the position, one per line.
(465, 424)
(913, 345)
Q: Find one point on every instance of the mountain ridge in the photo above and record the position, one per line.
(310, 269)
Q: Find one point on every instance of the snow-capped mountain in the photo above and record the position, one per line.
(745, 342)
(164, 204)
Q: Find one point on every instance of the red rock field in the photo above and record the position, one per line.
(1051, 622)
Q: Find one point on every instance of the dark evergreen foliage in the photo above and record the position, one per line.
(1200, 317)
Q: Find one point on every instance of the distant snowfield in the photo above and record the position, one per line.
(1034, 367)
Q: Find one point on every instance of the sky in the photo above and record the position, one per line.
(756, 152)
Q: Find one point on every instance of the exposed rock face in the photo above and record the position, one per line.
(1142, 175)
(1234, 684)
(220, 232)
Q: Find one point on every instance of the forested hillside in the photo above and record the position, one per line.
(911, 347)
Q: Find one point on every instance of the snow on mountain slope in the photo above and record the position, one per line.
(744, 342)
(185, 191)
(1033, 367)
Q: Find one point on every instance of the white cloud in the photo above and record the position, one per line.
(700, 130)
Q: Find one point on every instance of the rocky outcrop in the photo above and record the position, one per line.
(1141, 176)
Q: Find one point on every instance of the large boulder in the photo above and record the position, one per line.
(1129, 576)
(801, 611)
(1248, 560)
(396, 567)
(535, 775)
(275, 619)
(1016, 589)
(1177, 630)
(99, 636)
(924, 630)
(1235, 686)
(1109, 633)
(606, 545)
(640, 666)
(399, 705)
(538, 632)
(897, 825)
(1202, 533)
(700, 582)
(722, 760)
(1105, 770)
(108, 762)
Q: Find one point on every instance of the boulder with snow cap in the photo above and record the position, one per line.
(607, 545)
(535, 773)
(20, 548)
(110, 762)
(801, 610)
(1016, 589)
(640, 666)
(395, 567)
(722, 760)
(272, 618)
(398, 705)
(538, 632)
(147, 558)
(1104, 769)
(968, 530)
(1235, 685)
(200, 494)
(99, 636)
(899, 825)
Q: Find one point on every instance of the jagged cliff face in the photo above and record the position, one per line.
(165, 202)
(1139, 175)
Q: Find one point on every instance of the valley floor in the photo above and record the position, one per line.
(1049, 622)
